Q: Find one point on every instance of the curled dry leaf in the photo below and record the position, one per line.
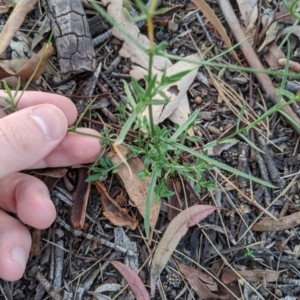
(25, 68)
(175, 231)
(112, 211)
(202, 283)
(14, 22)
(133, 280)
(283, 223)
(135, 187)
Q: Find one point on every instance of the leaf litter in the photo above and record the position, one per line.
(213, 99)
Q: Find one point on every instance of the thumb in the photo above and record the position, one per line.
(28, 135)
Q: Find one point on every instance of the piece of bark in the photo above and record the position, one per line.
(96, 25)
(80, 200)
(243, 164)
(36, 243)
(73, 40)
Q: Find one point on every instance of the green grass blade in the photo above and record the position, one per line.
(223, 166)
(149, 199)
(183, 127)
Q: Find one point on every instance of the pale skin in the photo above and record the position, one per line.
(34, 137)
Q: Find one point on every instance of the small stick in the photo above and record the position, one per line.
(253, 202)
(47, 286)
(273, 171)
(59, 263)
(94, 238)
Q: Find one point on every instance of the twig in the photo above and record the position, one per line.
(253, 202)
(94, 238)
(273, 171)
(254, 62)
(47, 286)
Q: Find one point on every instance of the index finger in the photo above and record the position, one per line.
(32, 98)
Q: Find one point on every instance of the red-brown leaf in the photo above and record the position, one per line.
(133, 280)
(175, 231)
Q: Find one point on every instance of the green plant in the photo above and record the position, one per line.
(161, 149)
(248, 253)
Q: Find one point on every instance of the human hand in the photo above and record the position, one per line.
(34, 137)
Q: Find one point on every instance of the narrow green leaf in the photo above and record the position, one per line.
(250, 143)
(126, 127)
(129, 95)
(223, 166)
(149, 198)
(183, 127)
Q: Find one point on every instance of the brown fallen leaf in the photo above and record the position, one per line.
(135, 187)
(255, 275)
(228, 276)
(133, 280)
(80, 199)
(25, 68)
(14, 22)
(175, 231)
(196, 279)
(52, 172)
(112, 211)
(283, 223)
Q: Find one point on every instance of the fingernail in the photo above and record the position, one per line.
(51, 120)
(46, 195)
(18, 254)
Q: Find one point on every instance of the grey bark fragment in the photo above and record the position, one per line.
(73, 40)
